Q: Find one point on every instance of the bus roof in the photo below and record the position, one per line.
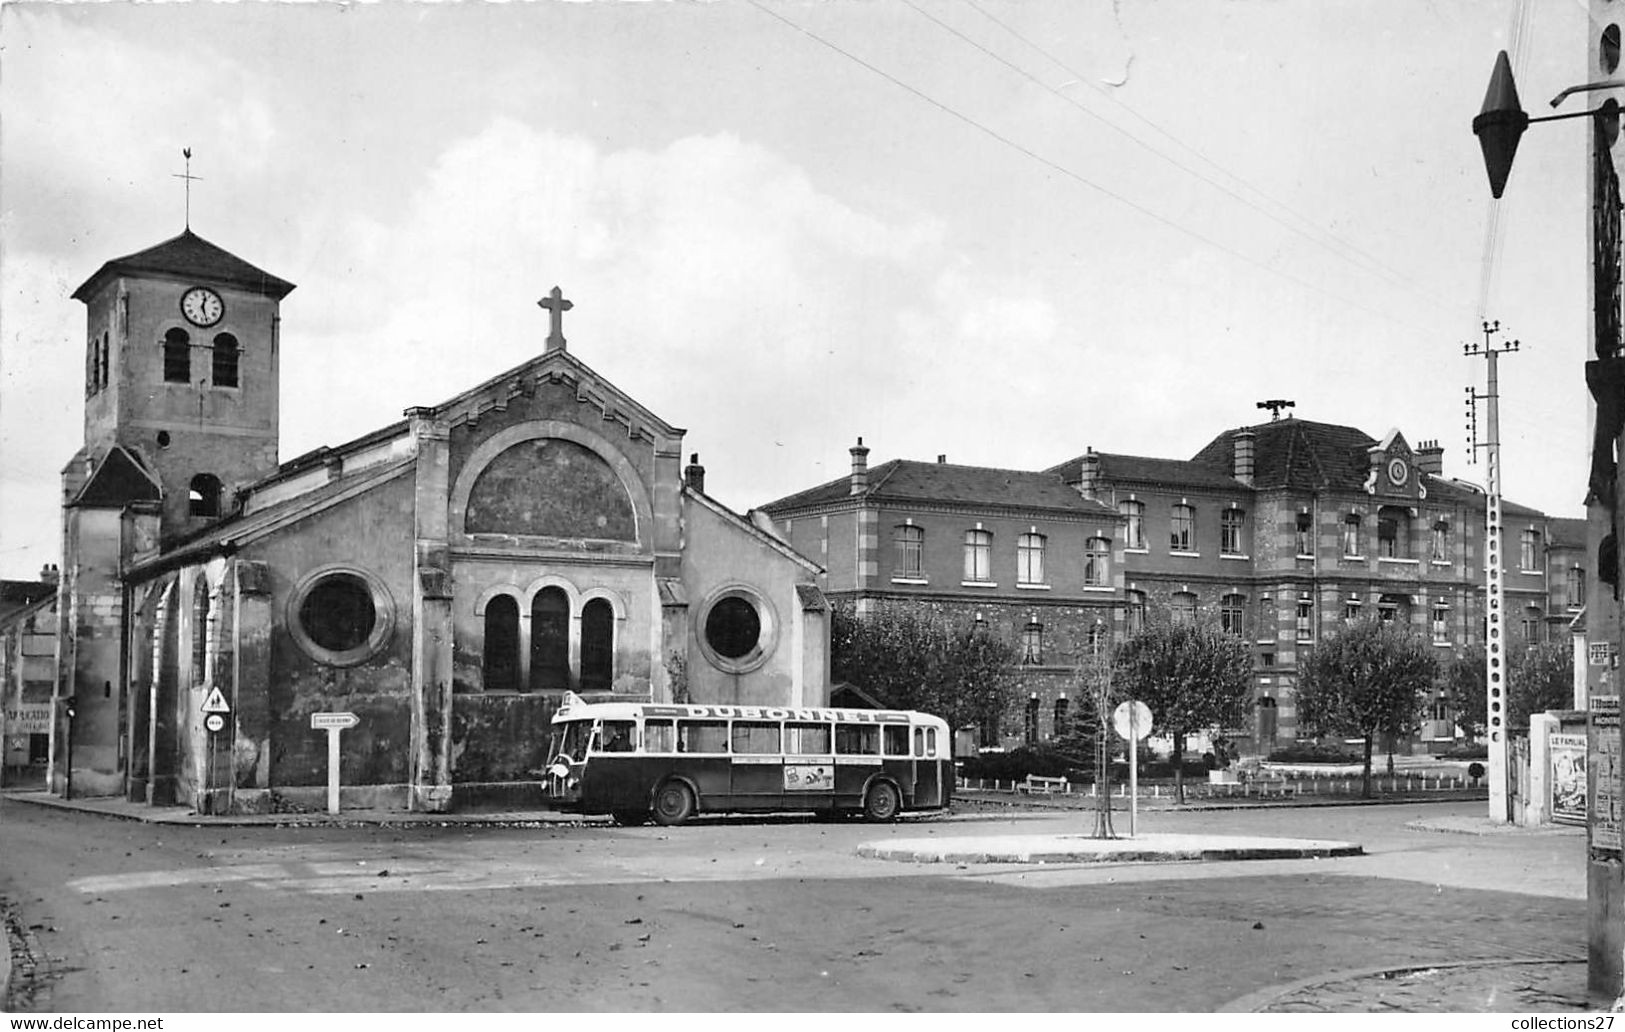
(575, 708)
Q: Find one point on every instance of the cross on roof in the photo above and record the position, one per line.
(556, 306)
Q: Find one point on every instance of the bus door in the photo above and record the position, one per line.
(809, 766)
(857, 759)
(758, 763)
(898, 758)
(927, 769)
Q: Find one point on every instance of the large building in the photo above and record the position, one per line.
(446, 578)
(1278, 533)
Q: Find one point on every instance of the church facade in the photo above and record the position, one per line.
(445, 579)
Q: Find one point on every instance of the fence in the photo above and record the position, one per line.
(1296, 784)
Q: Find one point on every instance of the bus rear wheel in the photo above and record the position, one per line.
(882, 802)
(674, 803)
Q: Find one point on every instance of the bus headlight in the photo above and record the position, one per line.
(560, 769)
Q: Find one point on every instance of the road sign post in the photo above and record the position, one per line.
(333, 724)
(1133, 721)
(215, 708)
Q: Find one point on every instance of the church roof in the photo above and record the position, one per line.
(119, 480)
(906, 480)
(189, 255)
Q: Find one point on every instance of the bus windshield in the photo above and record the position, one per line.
(570, 740)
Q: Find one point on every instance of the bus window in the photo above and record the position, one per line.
(925, 742)
(857, 740)
(755, 737)
(806, 739)
(931, 741)
(659, 736)
(702, 736)
(616, 736)
(896, 740)
(571, 739)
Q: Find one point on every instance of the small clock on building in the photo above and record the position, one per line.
(202, 306)
(1398, 472)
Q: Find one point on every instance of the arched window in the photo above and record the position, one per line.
(502, 644)
(1135, 605)
(226, 351)
(1231, 522)
(1097, 562)
(1030, 559)
(1394, 532)
(1133, 523)
(1060, 716)
(200, 630)
(909, 541)
(978, 555)
(1183, 608)
(203, 497)
(1351, 534)
(1231, 610)
(105, 362)
(1032, 721)
(93, 373)
(550, 640)
(1182, 529)
(1032, 642)
(597, 645)
(177, 356)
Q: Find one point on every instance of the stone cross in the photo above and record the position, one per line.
(556, 306)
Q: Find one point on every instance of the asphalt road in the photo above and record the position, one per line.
(776, 914)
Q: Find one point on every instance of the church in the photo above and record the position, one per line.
(445, 579)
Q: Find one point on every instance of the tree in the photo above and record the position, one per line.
(1540, 677)
(1192, 676)
(921, 661)
(1367, 679)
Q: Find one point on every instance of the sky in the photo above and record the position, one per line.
(1004, 232)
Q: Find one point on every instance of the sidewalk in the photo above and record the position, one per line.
(123, 809)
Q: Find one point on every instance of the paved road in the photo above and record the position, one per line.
(755, 915)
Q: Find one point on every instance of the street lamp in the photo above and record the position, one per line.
(1501, 122)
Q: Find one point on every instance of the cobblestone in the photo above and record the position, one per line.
(1471, 988)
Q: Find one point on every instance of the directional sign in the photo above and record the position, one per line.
(333, 721)
(1139, 712)
(216, 702)
(214, 722)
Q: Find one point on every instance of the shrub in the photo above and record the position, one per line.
(1466, 751)
(1045, 759)
(1313, 752)
(1160, 770)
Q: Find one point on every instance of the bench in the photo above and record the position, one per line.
(1034, 783)
(1270, 784)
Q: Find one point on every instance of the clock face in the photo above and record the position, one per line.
(1398, 472)
(202, 306)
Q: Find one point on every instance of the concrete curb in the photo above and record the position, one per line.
(1078, 849)
(118, 809)
(1254, 1002)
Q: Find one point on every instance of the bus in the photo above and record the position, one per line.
(635, 760)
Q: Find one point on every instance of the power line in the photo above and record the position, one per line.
(1076, 177)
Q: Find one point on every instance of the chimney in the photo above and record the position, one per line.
(942, 460)
(1430, 458)
(1244, 456)
(694, 474)
(50, 574)
(860, 468)
(1088, 473)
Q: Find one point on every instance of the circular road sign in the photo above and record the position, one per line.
(1142, 719)
(214, 722)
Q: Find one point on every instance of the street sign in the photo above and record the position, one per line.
(333, 721)
(214, 722)
(1600, 653)
(1141, 715)
(216, 702)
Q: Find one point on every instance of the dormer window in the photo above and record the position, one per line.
(177, 356)
(226, 352)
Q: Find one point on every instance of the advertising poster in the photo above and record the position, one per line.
(1603, 756)
(1568, 778)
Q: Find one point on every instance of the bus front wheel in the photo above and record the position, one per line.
(674, 803)
(882, 802)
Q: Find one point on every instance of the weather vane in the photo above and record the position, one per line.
(1275, 405)
(189, 177)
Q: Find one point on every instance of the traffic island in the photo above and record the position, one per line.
(1081, 849)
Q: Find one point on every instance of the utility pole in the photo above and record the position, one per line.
(1495, 709)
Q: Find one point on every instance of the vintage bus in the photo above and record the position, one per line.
(636, 760)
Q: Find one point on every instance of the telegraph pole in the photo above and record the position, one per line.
(1495, 709)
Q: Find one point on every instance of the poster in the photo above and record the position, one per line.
(1603, 755)
(1568, 778)
(809, 777)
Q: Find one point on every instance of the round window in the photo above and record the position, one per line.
(341, 617)
(737, 630)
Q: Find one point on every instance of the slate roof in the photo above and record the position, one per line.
(1298, 454)
(1568, 532)
(1144, 469)
(905, 480)
(119, 479)
(189, 255)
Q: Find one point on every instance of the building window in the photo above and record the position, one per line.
(1230, 523)
(1134, 523)
(550, 640)
(1440, 552)
(224, 367)
(598, 645)
(1394, 608)
(1528, 549)
(1061, 707)
(1231, 608)
(909, 542)
(1031, 730)
(106, 362)
(1032, 642)
(1098, 637)
(1531, 625)
(177, 356)
(1029, 559)
(978, 555)
(1096, 562)
(1182, 531)
(1351, 534)
(1393, 532)
(1182, 608)
(1576, 587)
(1306, 536)
(340, 616)
(1351, 610)
(1305, 623)
(502, 644)
(93, 375)
(1441, 623)
(203, 495)
(1135, 610)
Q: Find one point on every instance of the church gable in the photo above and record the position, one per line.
(119, 480)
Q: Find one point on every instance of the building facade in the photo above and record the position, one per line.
(446, 579)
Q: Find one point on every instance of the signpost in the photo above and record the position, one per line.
(1133, 721)
(333, 723)
(215, 708)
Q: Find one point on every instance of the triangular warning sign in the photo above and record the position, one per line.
(216, 702)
